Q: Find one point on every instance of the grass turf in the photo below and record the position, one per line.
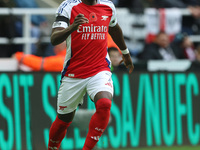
(163, 148)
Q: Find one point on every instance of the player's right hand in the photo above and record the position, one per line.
(127, 62)
(79, 19)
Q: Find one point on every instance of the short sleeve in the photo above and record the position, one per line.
(113, 20)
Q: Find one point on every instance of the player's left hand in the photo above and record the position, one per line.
(127, 62)
(79, 19)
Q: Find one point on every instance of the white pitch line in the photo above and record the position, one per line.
(51, 3)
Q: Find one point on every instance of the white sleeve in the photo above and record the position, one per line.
(113, 20)
(62, 15)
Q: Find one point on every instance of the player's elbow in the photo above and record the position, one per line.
(54, 41)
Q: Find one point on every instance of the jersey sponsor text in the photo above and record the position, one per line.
(93, 36)
(92, 28)
(93, 32)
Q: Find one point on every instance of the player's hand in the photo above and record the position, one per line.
(127, 62)
(79, 19)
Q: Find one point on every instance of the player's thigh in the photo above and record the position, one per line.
(70, 94)
(100, 84)
(102, 94)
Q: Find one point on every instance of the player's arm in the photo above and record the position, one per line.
(118, 38)
(60, 34)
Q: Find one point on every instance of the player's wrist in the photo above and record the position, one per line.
(72, 28)
(124, 52)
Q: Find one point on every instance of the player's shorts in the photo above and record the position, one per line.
(72, 90)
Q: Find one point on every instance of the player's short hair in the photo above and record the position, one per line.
(112, 49)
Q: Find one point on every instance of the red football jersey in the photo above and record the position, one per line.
(87, 46)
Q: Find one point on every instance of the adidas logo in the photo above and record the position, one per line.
(54, 141)
(96, 138)
(53, 148)
(98, 129)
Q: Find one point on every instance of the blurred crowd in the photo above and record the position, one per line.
(161, 47)
(12, 26)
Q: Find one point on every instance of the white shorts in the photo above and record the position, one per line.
(72, 90)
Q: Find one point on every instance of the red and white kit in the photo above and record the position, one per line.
(87, 64)
(88, 56)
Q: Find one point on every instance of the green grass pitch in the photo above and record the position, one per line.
(164, 148)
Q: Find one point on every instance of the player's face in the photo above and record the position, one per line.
(115, 58)
(91, 1)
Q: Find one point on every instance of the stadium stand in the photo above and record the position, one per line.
(135, 26)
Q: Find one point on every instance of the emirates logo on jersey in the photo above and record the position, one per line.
(93, 17)
(92, 28)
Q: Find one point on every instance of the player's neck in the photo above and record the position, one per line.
(90, 2)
